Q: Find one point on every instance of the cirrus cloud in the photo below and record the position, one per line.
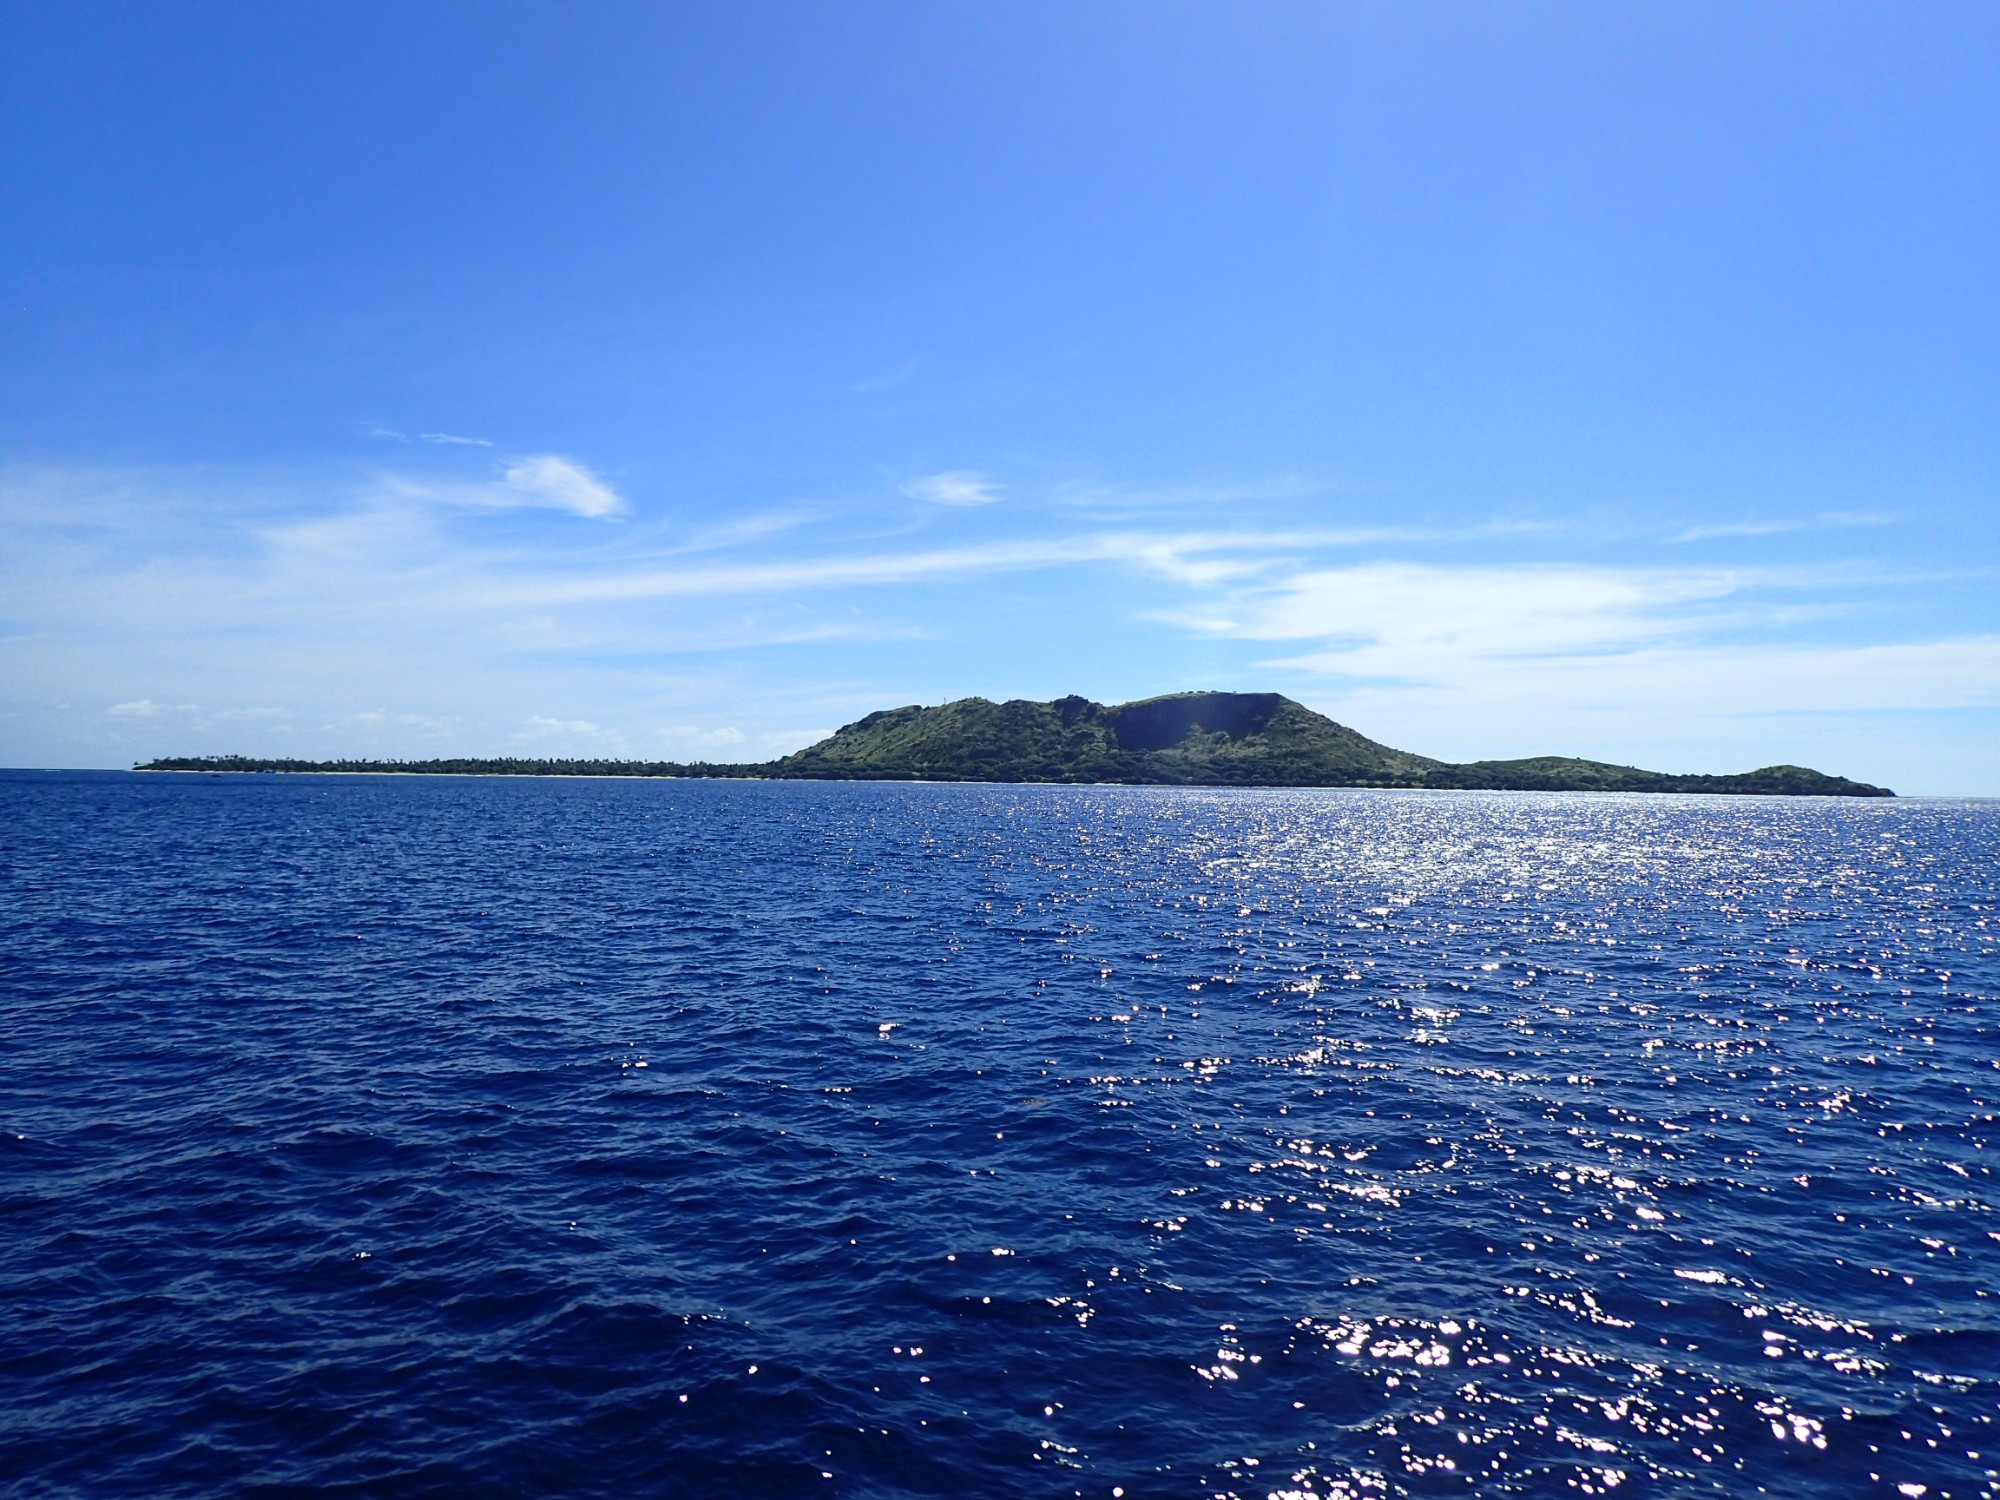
(534, 481)
(963, 487)
(544, 479)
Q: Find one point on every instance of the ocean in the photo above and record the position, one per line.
(435, 1136)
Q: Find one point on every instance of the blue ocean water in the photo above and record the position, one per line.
(413, 1136)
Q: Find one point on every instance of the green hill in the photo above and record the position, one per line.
(1188, 739)
(1211, 739)
(1183, 739)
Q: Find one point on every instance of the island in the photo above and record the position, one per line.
(1181, 739)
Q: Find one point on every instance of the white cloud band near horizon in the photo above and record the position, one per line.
(492, 606)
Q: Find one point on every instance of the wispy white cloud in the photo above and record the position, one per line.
(540, 726)
(1468, 661)
(1196, 559)
(536, 481)
(1736, 528)
(448, 439)
(734, 533)
(964, 487)
(560, 484)
(727, 742)
(380, 716)
(1466, 627)
(1699, 706)
(1722, 679)
(375, 721)
(1384, 617)
(1748, 528)
(1122, 499)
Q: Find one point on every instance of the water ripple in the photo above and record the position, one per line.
(430, 1136)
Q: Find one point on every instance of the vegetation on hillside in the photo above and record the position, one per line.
(1182, 739)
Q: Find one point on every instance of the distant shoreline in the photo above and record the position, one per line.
(154, 770)
(1180, 739)
(150, 770)
(760, 775)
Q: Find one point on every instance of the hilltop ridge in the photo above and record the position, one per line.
(1179, 739)
(1187, 739)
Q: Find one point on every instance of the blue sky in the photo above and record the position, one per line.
(651, 380)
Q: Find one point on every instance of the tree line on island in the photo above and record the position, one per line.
(1182, 739)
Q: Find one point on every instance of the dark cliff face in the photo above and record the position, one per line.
(1163, 723)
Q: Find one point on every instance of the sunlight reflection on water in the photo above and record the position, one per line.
(718, 1138)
